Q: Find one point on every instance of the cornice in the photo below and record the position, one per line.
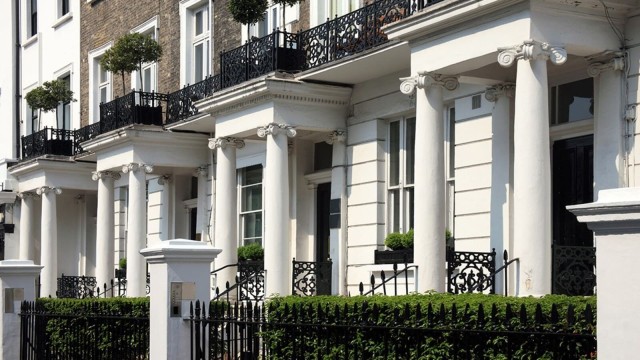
(44, 164)
(443, 15)
(264, 90)
(143, 135)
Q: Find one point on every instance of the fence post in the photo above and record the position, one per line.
(615, 221)
(179, 270)
(17, 280)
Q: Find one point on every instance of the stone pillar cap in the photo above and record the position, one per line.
(15, 266)
(180, 250)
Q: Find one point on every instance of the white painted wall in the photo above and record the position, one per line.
(7, 84)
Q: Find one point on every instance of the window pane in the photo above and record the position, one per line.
(103, 74)
(146, 77)
(199, 51)
(199, 23)
(452, 142)
(263, 26)
(410, 147)
(394, 211)
(252, 225)
(252, 175)
(65, 7)
(66, 116)
(103, 94)
(252, 198)
(575, 101)
(394, 153)
(409, 219)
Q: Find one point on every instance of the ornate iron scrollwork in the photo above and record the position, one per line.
(311, 278)
(469, 272)
(76, 287)
(251, 280)
(574, 270)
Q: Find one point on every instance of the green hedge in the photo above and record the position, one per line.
(77, 327)
(432, 326)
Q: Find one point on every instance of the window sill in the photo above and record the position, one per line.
(30, 41)
(62, 20)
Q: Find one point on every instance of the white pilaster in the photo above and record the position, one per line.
(532, 169)
(226, 237)
(105, 227)
(608, 152)
(201, 222)
(136, 228)
(26, 225)
(501, 96)
(338, 232)
(166, 207)
(277, 257)
(49, 236)
(429, 217)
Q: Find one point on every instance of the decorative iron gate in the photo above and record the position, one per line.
(574, 270)
(471, 271)
(311, 278)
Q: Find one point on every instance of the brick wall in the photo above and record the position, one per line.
(226, 32)
(106, 20)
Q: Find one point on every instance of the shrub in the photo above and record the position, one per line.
(122, 263)
(407, 241)
(428, 327)
(250, 252)
(394, 241)
(75, 326)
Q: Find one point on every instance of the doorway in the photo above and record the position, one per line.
(573, 250)
(323, 198)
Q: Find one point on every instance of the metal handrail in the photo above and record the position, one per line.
(385, 280)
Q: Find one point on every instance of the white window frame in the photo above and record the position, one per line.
(61, 9)
(272, 20)
(60, 111)
(95, 85)
(149, 27)
(242, 214)
(449, 167)
(403, 188)
(189, 41)
(322, 9)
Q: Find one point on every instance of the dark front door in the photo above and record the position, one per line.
(573, 251)
(323, 197)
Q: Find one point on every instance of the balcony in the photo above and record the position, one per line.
(48, 141)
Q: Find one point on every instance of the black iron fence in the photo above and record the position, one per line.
(241, 331)
(97, 332)
(76, 287)
(48, 141)
(311, 278)
(574, 270)
(249, 282)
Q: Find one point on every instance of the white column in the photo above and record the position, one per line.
(26, 225)
(429, 218)
(277, 257)
(531, 164)
(136, 228)
(201, 223)
(49, 236)
(180, 273)
(105, 227)
(501, 96)
(166, 207)
(608, 152)
(338, 214)
(226, 215)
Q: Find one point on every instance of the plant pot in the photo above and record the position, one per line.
(148, 115)
(59, 147)
(393, 256)
(289, 59)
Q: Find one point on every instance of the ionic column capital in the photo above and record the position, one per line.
(532, 50)
(133, 167)
(164, 180)
(223, 142)
(425, 80)
(494, 92)
(47, 189)
(202, 170)
(97, 175)
(275, 129)
(27, 195)
(616, 63)
(337, 136)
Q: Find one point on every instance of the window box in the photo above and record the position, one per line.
(393, 256)
(288, 59)
(148, 115)
(59, 147)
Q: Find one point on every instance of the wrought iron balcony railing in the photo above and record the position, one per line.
(48, 141)
(180, 103)
(137, 107)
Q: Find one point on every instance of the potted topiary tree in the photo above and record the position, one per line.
(47, 98)
(247, 12)
(128, 54)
